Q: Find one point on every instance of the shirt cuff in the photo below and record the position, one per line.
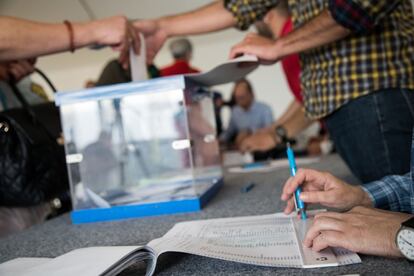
(351, 15)
(369, 191)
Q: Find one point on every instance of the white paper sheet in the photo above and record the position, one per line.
(92, 261)
(226, 72)
(18, 266)
(138, 63)
(268, 240)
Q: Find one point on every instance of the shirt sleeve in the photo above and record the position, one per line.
(247, 12)
(393, 193)
(361, 15)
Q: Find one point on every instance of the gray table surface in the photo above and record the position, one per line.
(58, 236)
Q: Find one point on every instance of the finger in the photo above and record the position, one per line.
(237, 50)
(290, 206)
(293, 183)
(334, 215)
(17, 71)
(26, 66)
(322, 224)
(328, 239)
(322, 197)
(285, 195)
(302, 177)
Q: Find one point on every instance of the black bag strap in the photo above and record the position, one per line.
(47, 80)
(26, 105)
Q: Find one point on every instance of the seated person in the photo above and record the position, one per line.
(362, 229)
(182, 52)
(247, 115)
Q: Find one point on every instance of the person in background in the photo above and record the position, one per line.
(333, 37)
(247, 116)
(278, 23)
(182, 52)
(361, 228)
(355, 74)
(23, 39)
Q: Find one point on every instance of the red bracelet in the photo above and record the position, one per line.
(71, 35)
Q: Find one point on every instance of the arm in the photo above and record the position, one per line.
(268, 140)
(209, 18)
(212, 17)
(338, 21)
(293, 108)
(24, 39)
(392, 193)
(321, 30)
(297, 122)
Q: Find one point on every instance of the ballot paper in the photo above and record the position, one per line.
(229, 71)
(138, 62)
(273, 240)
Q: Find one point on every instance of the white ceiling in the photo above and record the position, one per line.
(58, 10)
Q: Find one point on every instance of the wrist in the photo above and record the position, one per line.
(85, 34)
(278, 49)
(164, 27)
(363, 198)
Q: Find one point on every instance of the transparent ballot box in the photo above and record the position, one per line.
(140, 149)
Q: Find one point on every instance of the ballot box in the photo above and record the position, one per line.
(140, 149)
(144, 148)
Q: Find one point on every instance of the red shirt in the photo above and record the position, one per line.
(291, 66)
(179, 67)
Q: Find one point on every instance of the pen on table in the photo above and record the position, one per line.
(246, 188)
(299, 204)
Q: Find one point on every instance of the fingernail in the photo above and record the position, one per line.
(303, 196)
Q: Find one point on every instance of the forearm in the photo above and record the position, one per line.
(212, 17)
(320, 31)
(292, 109)
(26, 39)
(297, 123)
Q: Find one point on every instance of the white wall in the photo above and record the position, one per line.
(70, 71)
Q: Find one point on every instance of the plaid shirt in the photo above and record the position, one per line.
(377, 55)
(395, 192)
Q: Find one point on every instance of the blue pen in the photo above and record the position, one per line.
(299, 204)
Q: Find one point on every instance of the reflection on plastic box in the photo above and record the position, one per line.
(139, 144)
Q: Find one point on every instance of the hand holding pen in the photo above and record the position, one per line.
(299, 204)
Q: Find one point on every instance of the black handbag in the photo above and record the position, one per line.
(32, 161)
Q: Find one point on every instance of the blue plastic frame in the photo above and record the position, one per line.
(146, 210)
(120, 90)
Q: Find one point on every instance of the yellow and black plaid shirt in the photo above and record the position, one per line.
(378, 55)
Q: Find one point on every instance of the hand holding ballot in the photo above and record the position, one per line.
(363, 230)
(325, 189)
(29, 39)
(253, 44)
